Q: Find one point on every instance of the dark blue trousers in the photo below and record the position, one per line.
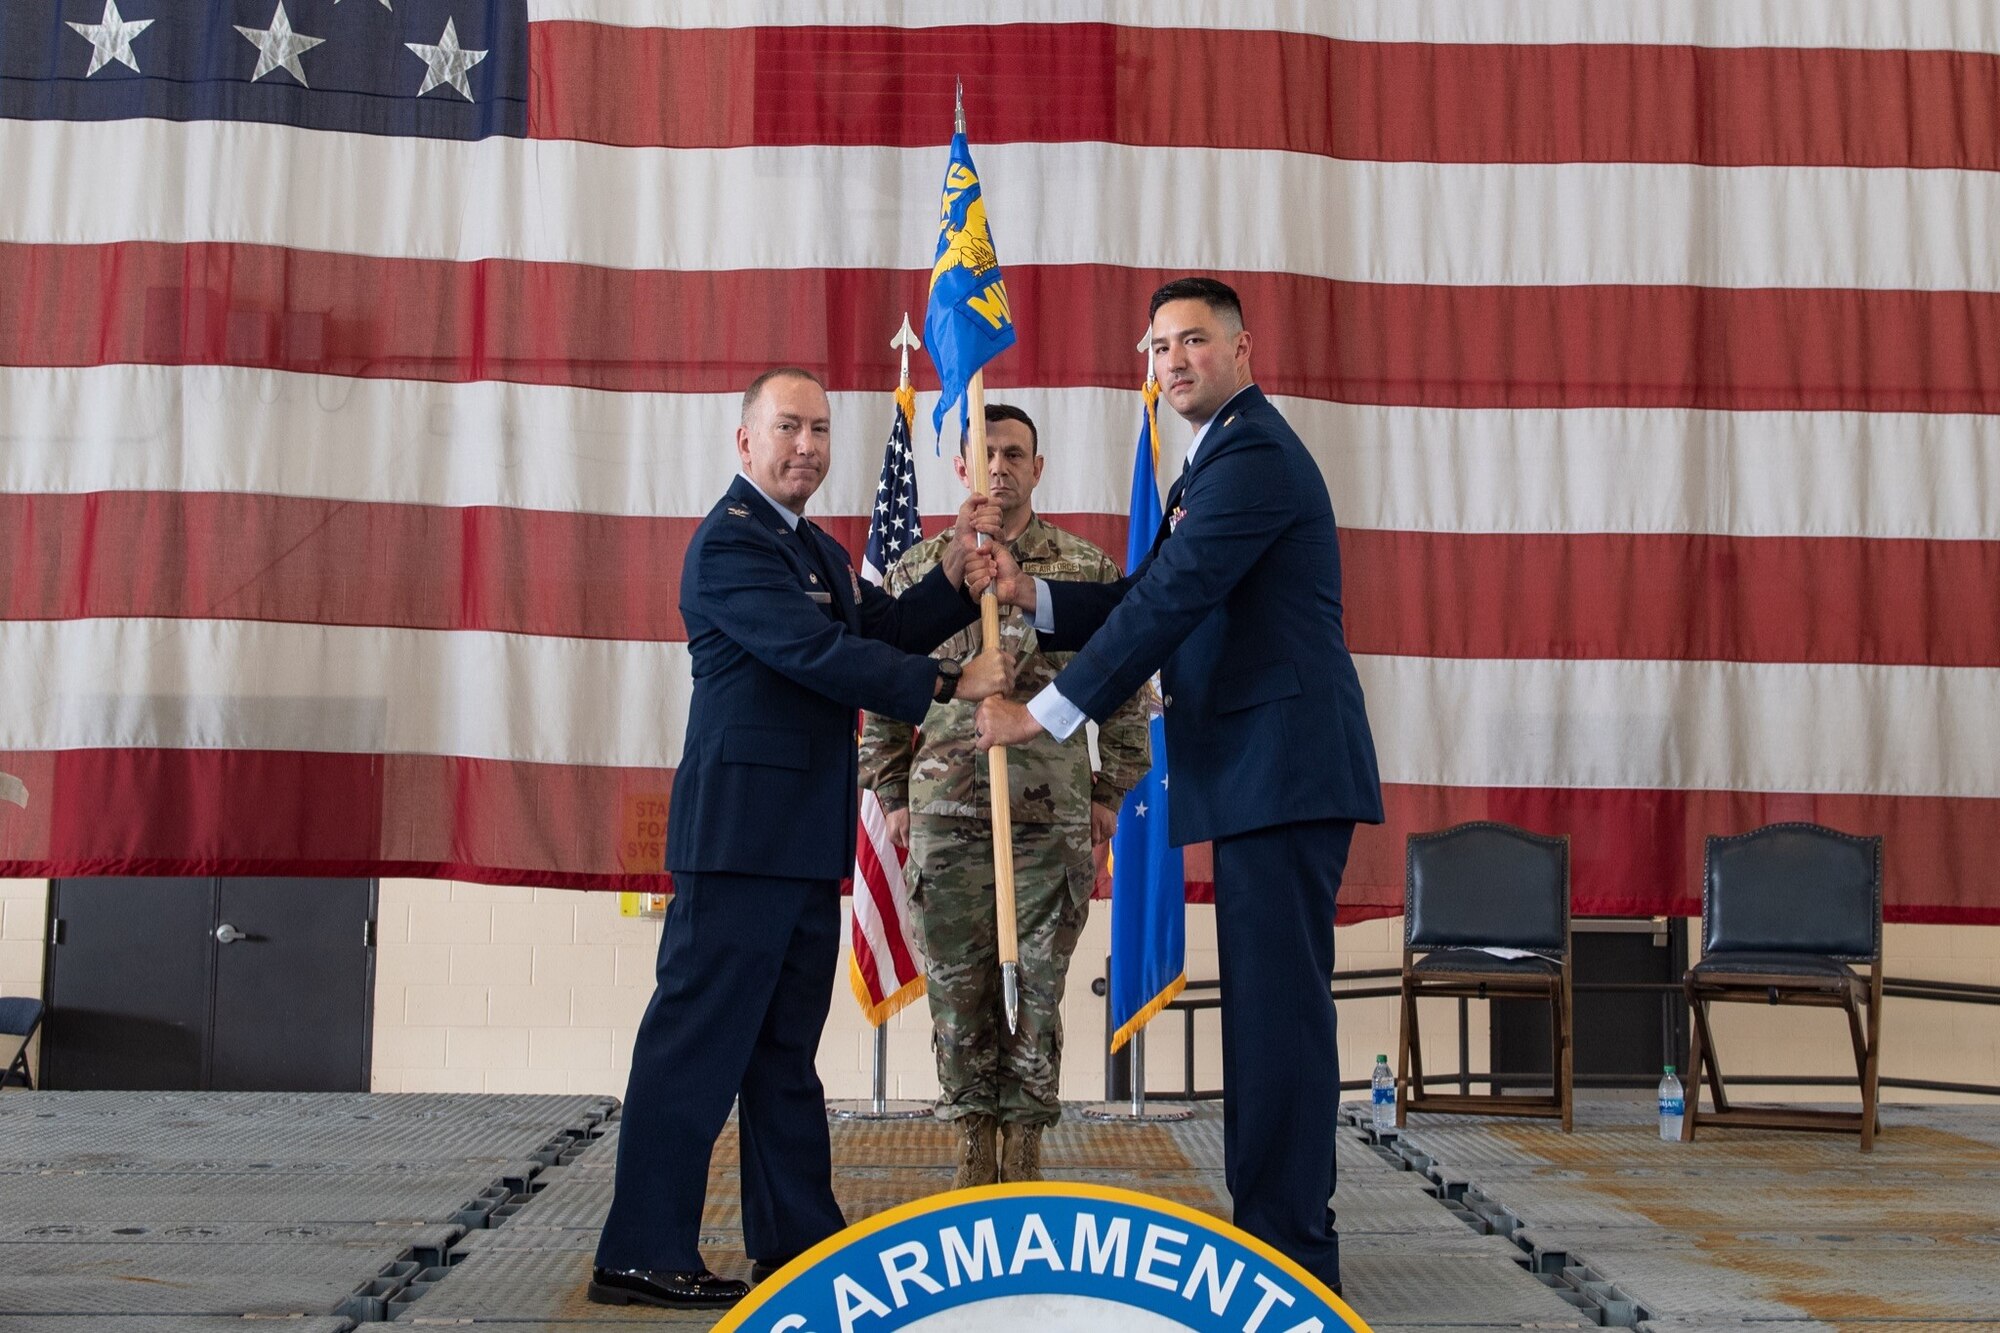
(745, 979)
(1274, 895)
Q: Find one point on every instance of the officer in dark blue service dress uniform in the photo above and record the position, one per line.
(1238, 608)
(786, 644)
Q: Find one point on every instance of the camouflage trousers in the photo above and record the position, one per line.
(982, 1068)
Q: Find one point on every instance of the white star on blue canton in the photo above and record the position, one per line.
(278, 47)
(110, 38)
(1140, 809)
(447, 63)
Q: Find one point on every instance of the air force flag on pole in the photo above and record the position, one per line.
(1148, 912)
(968, 322)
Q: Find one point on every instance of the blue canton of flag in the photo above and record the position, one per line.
(1148, 888)
(968, 321)
(428, 68)
(894, 526)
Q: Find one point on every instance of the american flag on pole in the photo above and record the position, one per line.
(883, 965)
(359, 393)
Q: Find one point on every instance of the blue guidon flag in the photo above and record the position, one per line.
(968, 321)
(1058, 1257)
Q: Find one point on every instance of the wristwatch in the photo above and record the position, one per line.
(947, 681)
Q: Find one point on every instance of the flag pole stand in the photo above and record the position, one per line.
(879, 1106)
(1137, 1110)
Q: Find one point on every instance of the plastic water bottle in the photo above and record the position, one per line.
(1671, 1106)
(1382, 1091)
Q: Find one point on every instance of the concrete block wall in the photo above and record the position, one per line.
(489, 989)
(484, 988)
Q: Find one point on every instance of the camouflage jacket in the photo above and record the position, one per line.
(1049, 782)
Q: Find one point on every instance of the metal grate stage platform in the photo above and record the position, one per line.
(187, 1213)
(133, 1212)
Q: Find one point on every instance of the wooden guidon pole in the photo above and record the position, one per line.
(996, 758)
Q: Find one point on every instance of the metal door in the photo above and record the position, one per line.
(294, 970)
(128, 983)
(222, 984)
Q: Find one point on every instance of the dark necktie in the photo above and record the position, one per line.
(816, 562)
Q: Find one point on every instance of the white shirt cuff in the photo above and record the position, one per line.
(1058, 716)
(1045, 613)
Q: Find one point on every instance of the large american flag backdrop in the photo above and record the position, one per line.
(368, 365)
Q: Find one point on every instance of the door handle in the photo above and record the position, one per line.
(228, 934)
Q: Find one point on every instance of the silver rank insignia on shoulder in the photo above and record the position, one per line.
(737, 511)
(1230, 418)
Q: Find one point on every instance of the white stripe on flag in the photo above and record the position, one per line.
(1762, 474)
(1447, 721)
(259, 685)
(1062, 203)
(1901, 731)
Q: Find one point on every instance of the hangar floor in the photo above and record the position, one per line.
(190, 1212)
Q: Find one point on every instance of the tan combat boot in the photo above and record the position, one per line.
(1020, 1152)
(976, 1162)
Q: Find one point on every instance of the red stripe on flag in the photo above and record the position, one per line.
(864, 960)
(876, 876)
(207, 554)
(1639, 852)
(1231, 89)
(147, 811)
(1669, 596)
(234, 812)
(1819, 349)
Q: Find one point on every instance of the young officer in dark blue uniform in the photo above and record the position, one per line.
(786, 645)
(1238, 608)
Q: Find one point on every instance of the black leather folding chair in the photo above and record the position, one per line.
(19, 1017)
(1468, 890)
(1785, 911)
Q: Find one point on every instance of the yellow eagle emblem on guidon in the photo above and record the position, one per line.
(969, 245)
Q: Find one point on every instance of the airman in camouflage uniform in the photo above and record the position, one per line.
(935, 786)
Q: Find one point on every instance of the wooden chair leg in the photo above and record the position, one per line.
(1566, 1045)
(1860, 1042)
(1871, 1071)
(1697, 1051)
(1403, 1039)
(1416, 1057)
(1711, 1061)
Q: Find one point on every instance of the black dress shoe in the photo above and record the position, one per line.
(700, 1289)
